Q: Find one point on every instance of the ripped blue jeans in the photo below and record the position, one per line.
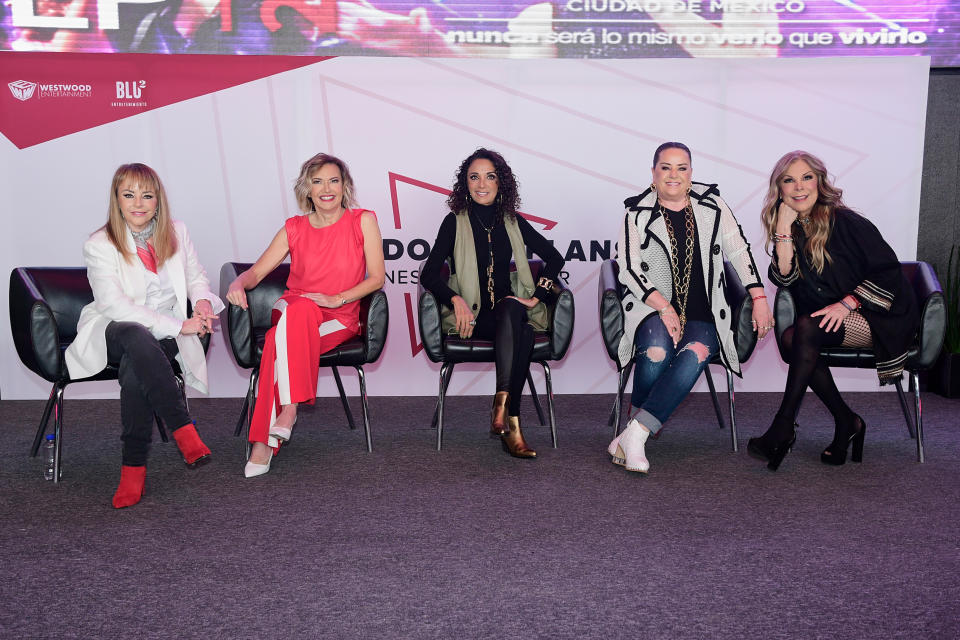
(663, 374)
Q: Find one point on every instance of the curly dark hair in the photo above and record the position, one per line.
(508, 197)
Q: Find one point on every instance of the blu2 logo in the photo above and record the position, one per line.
(132, 90)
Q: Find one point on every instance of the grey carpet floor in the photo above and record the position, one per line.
(408, 542)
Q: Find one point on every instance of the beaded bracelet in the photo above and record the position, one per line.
(790, 240)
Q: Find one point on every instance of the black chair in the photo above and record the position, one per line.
(611, 292)
(45, 305)
(921, 356)
(247, 328)
(450, 350)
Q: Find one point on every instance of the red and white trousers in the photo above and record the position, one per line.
(290, 364)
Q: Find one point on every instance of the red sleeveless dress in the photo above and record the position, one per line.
(329, 260)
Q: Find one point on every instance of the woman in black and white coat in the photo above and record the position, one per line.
(673, 240)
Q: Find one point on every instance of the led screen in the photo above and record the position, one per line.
(460, 28)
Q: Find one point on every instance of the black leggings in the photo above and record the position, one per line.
(147, 386)
(512, 339)
(802, 343)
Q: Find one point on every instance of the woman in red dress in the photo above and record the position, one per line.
(336, 258)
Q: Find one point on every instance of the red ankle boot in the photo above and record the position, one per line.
(192, 449)
(131, 486)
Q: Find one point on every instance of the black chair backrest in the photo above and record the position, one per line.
(242, 324)
(65, 289)
(933, 312)
(741, 306)
(45, 305)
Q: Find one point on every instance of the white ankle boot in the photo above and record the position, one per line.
(612, 448)
(630, 447)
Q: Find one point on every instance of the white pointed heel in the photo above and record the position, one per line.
(631, 448)
(253, 469)
(282, 433)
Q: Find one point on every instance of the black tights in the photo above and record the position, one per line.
(802, 343)
(512, 339)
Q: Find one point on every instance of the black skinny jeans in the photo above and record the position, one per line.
(512, 339)
(148, 386)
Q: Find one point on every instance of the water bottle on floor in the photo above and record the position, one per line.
(49, 456)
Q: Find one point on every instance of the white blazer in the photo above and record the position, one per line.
(119, 292)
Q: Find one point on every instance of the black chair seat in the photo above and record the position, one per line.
(476, 350)
(247, 329)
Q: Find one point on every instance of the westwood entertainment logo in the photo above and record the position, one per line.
(22, 90)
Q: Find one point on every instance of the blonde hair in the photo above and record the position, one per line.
(829, 199)
(164, 238)
(301, 188)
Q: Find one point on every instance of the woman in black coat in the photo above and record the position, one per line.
(849, 292)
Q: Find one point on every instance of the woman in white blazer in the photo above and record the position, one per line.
(143, 269)
(673, 240)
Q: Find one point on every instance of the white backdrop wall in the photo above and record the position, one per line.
(578, 134)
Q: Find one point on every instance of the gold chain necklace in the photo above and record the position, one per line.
(489, 231)
(682, 286)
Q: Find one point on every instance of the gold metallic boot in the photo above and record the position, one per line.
(498, 414)
(513, 440)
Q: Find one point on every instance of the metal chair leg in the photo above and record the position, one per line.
(713, 396)
(183, 392)
(58, 434)
(243, 416)
(343, 398)
(363, 404)
(161, 429)
(44, 419)
(911, 428)
(446, 385)
(616, 411)
(553, 419)
(251, 405)
(247, 409)
(915, 382)
(536, 398)
(733, 414)
(445, 372)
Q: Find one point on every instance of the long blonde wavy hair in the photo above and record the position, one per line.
(829, 199)
(164, 238)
